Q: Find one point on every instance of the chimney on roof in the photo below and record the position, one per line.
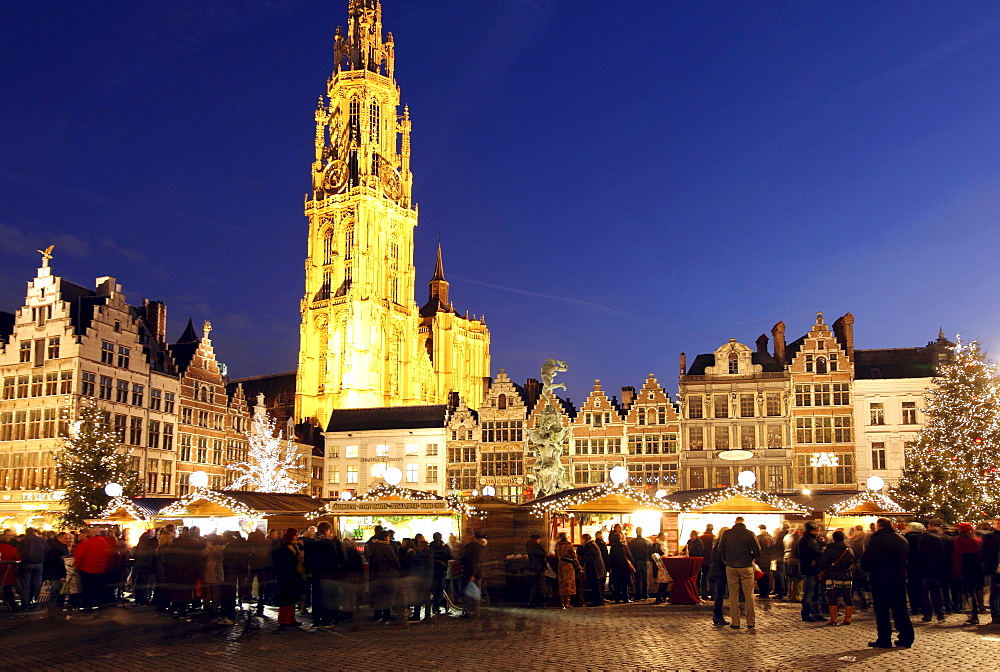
(487, 384)
(778, 334)
(628, 396)
(533, 390)
(156, 318)
(843, 328)
(684, 362)
(762, 343)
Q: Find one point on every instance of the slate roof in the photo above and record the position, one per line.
(150, 506)
(185, 348)
(901, 362)
(388, 417)
(275, 503)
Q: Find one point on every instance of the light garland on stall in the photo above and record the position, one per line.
(384, 490)
(866, 497)
(706, 500)
(123, 502)
(557, 504)
(179, 508)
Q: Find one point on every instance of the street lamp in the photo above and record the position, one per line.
(199, 479)
(619, 475)
(875, 483)
(113, 490)
(746, 479)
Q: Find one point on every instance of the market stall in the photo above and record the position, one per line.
(599, 507)
(217, 511)
(848, 508)
(721, 506)
(407, 512)
(131, 516)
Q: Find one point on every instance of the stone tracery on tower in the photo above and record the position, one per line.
(364, 342)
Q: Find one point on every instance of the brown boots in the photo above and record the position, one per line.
(848, 612)
(833, 615)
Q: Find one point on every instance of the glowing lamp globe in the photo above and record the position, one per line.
(113, 490)
(806, 491)
(489, 491)
(475, 493)
(661, 493)
(619, 475)
(393, 476)
(875, 482)
(346, 495)
(746, 479)
(199, 479)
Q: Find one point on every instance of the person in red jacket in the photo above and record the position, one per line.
(8, 570)
(91, 558)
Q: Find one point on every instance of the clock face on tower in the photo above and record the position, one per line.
(391, 185)
(335, 176)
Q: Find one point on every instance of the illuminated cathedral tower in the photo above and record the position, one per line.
(364, 342)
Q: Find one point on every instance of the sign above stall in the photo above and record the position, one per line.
(735, 455)
(368, 507)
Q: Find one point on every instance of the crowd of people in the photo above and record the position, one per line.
(179, 571)
(928, 570)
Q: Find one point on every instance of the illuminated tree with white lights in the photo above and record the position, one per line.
(952, 469)
(270, 458)
(91, 457)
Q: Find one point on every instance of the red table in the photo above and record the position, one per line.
(684, 571)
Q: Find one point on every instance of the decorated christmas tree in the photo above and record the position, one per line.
(951, 470)
(91, 457)
(270, 458)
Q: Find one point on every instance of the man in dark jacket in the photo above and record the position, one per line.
(536, 566)
(885, 559)
(708, 543)
(930, 554)
(441, 555)
(605, 552)
(472, 570)
(914, 567)
(29, 574)
(324, 556)
(991, 558)
(593, 568)
(810, 549)
(641, 553)
(738, 548)
(383, 574)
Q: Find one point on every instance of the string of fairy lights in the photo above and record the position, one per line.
(180, 507)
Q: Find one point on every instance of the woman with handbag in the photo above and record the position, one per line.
(569, 566)
(836, 576)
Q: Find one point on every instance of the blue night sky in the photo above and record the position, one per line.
(613, 182)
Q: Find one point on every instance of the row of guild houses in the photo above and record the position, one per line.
(171, 404)
(813, 413)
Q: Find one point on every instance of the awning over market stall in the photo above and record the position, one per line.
(851, 503)
(603, 498)
(216, 510)
(132, 514)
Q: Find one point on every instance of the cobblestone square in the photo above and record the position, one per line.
(640, 636)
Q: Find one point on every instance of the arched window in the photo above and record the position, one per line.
(502, 401)
(349, 242)
(353, 120)
(821, 365)
(734, 363)
(373, 122)
(651, 416)
(328, 247)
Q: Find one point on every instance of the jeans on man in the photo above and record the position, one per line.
(29, 583)
(932, 598)
(641, 580)
(995, 597)
(737, 578)
(778, 575)
(719, 588)
(891, 598)
(810, 596)
(705, 585)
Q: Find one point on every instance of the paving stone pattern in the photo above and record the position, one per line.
(616, 637)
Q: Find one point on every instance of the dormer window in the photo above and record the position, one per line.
(734, 363)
